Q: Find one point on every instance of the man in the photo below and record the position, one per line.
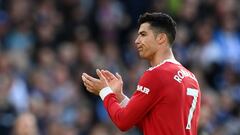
(167, 97)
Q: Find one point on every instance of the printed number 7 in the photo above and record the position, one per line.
(194, 93)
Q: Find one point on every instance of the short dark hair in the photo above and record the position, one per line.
(162, 22)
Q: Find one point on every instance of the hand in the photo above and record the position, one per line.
(115, 83)
(94, 85)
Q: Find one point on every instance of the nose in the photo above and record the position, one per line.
(137, 40)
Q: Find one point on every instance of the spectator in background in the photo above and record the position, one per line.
(16, 92)
(4, 24)
(228, 40)
(26, 125)
(7, 110)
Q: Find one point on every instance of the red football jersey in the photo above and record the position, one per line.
(166, 102)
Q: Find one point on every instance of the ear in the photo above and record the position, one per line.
(161, 38)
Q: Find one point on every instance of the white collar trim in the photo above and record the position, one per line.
(174, 61)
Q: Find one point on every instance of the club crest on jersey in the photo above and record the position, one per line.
(143, 89)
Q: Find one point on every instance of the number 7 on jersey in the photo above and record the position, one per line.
(194, 93)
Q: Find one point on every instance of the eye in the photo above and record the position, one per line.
(143, 34)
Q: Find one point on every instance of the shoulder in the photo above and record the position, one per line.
(154, 80)
(158, 74)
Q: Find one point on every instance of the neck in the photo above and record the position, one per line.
(159, 57)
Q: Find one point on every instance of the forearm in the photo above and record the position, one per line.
(114, 108)
(127, 113)
(120, 116)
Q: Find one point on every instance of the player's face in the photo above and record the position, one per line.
(146, 43)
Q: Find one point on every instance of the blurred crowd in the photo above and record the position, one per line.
(45, 46)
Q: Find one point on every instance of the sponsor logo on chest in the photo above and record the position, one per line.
(143, 89)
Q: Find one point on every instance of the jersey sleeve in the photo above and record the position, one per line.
(142, 101)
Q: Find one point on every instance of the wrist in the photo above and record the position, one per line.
(124, 102)
(120, 97)
(104, 92)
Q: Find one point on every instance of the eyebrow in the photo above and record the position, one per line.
(142, 32)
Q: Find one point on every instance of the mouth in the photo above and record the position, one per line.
(139, 48)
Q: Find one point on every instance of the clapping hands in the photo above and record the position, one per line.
(106, 79)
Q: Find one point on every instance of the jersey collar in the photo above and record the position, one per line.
(172, 60)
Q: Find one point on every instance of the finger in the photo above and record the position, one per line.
(87, 82)
(89, 89)
(90, 78)
(105, 75)
(83, 79)
(92, 91)
(87, 85)
(100, 75)
(110, 75)
(119, 77)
